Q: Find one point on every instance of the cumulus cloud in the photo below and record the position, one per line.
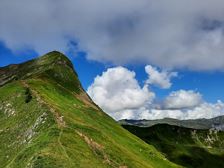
(160, 79)
(182, 99)
(172, 34)
(118, 93)
(203, 110)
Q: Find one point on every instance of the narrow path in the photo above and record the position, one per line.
(58, 118)
(61, 145)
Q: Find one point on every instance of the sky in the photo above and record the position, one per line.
(145, 59)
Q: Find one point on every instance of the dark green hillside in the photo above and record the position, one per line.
(188, 147)
(48, 121)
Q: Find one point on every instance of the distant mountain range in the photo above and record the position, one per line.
(214, 123)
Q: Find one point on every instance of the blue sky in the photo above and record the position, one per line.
(209, 84)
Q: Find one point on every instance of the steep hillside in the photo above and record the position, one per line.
(184, 146)
(217, 123)
(48, 121)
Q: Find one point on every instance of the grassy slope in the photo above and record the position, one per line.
(59, 126)
(184, 146)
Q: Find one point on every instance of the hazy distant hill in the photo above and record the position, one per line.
(217, 123)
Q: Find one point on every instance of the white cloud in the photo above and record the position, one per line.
(118, 93)
(160, 79)
(172, 34)
(182, 99)
(203, 110)
(206, 110)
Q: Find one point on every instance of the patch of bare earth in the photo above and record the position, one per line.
(86, 100)
(90, 141)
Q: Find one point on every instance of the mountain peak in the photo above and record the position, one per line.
(56, 52)
(55, 57)
(53, 62)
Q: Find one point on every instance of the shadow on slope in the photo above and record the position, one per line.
(187, 147)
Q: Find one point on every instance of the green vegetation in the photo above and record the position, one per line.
(184, 146)
(48, 121)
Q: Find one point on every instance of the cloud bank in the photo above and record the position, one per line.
(118, 93)
(170, 34)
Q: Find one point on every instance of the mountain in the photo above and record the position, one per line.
(191, 148)
(214, 123)
(48, 121)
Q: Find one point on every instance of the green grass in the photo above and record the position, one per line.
(184, 146)
(59, 126)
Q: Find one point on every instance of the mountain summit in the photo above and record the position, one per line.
(51, 62)
(48, 121)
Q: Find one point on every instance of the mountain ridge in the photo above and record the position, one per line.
(48, 121)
